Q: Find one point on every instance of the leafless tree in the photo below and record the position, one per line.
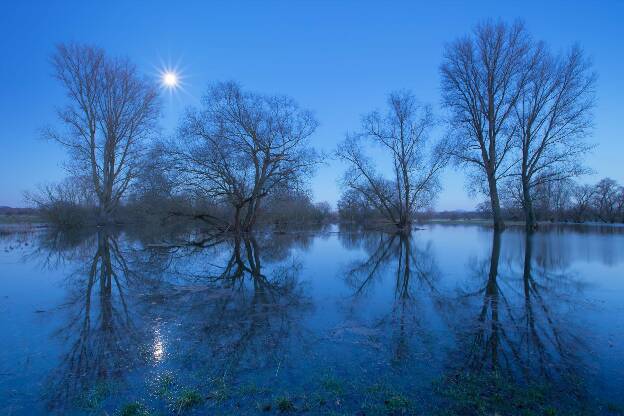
(619, 204)
(111, 110)
(353, 207)
(553, 116)
(404, 132)
(240, 146)
(608, 200)
(553, 199)
(483, 75)
(582, 199)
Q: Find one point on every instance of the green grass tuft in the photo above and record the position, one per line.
(333, 385)
(397, 404)
(188, 399)
(133, 409)
(284, 404)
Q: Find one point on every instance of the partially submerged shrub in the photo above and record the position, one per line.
(65, 204)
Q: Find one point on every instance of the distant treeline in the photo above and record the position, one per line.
(566, 201)
(562, 201)
(17, 211)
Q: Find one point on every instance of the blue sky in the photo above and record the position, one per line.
(339, 59)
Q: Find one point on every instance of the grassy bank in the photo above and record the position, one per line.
(20, 219)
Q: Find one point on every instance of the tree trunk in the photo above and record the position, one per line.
(104, 213)
(237, 223)
(252, 211)
(529, 212)
(404, 222)
(497, 217)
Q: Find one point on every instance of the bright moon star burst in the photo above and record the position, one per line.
(170, 79)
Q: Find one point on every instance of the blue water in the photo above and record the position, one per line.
(446, 320)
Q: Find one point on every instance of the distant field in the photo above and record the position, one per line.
(19, 219)
(518, 222)
(468, 221)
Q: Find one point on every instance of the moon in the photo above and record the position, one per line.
(170, 79)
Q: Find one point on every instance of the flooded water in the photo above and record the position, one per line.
(447, 320)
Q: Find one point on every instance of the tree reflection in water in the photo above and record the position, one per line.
(517, 347)
(241, 311)
(220, 312)
(207, 311)
(412, 266)
(102, 341)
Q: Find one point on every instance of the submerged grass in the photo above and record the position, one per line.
(134, 409)
(220, 392)
(458, 394)
(333, 385)
(493, 393)
(285, 404)
(188, 399)
(95, 396)
(397, 404)
(164, 385)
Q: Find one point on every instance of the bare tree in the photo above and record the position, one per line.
(241, 146)
(619, 204)
(553, 116)
(553, 199)
(111, 110)
(582, 199)
(607, 200)
(482, 78)
(403, 131)
(353, 207)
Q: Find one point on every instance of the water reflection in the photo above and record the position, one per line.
(517, 347)
(355, 321)
(225, 306)
(101, 338)
(409, 264)
(240, 312)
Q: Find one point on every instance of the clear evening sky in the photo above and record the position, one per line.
(339, 59)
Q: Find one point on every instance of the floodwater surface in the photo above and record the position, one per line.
(447, 320)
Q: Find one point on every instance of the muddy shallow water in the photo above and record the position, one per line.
(451, 319)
